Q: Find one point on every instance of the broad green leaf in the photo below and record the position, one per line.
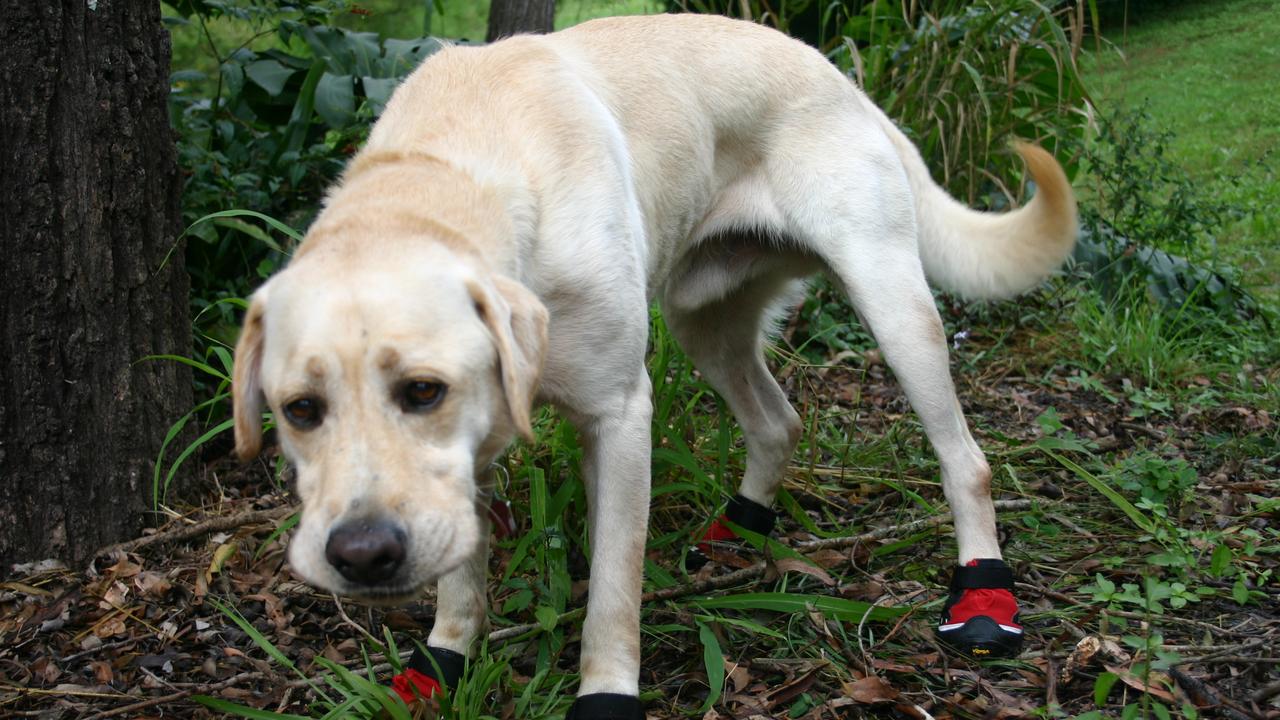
(547, 617)
(300, 118)
(1102, 687)
(378, 91)
(336, 99)
(232, 79)
(1220, 561)
(270, 75)
(713, 661)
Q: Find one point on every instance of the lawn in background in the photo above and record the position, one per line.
(1207, 71)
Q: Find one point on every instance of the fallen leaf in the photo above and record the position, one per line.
(220, 556)
(829, 558)
(797, 565)
(152, 584)
(1150, 687)
(112, 626)
(870, 690)
(739, 677)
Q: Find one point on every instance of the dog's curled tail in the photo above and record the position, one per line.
(987, 256)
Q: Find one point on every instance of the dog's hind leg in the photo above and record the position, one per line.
(887, 285)
(857, 214)
(725, 340)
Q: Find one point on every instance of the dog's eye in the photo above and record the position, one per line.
(304, 413)
(419, 395)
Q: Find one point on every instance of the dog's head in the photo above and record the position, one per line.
(395, 375)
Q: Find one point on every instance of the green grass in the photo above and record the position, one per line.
(1206, 71)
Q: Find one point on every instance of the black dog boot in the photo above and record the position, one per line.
(420, 678)
(605, 706)
(740, 511)
(980, 618)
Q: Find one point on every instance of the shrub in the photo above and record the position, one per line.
(276, 129)
(1146, 224)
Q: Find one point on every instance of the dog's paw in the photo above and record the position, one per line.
(980, 618)
(740, 511)
(605, 706)
(421, 677)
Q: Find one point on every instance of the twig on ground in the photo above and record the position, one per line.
(893, 530)
(352, 623)
(1204, 696)
(104, 646)
(1214, 651)
(212, 525)
(1266, 692)
(745, 574)
(1150, 432)
(181, 694)
(505, 634)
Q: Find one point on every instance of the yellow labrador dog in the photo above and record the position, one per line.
(497, 244)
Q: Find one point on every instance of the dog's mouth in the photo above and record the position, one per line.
(398, 595)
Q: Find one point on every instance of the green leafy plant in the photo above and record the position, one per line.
(277, 128)
(1147, 224)
(962, 78)
(1154, 478)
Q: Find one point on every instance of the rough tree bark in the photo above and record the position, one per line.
(509, 17)
(94, 279)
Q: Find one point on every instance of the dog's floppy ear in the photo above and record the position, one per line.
(246, 380)
(518, 323)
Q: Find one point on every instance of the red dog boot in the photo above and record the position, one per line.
(980, 618)
(740, 511)
(420, 678)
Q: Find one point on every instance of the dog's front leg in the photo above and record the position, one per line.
(616, 468)
(461, 616)
(461, 599)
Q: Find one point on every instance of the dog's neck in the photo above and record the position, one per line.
(447, 206)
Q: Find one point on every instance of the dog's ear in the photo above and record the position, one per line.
(246, 380)
(517, 320)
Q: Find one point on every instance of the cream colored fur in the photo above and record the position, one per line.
(514, 213)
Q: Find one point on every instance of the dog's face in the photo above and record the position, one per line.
(393, 377)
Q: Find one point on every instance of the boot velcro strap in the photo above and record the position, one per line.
(750, 514)
(451, 665)
(986, 575)
(606, 706)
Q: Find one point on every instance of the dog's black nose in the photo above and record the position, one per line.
(368, 552)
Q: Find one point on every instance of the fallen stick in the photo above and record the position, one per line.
(1265, 692)
(181, 694)
(212, 525)
(758, 569)
(1205, 696)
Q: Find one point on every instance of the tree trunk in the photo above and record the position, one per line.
(510, 17)
(94, 278)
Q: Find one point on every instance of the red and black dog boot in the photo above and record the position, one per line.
(740, 511)
(980, 618)
(421, 678)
